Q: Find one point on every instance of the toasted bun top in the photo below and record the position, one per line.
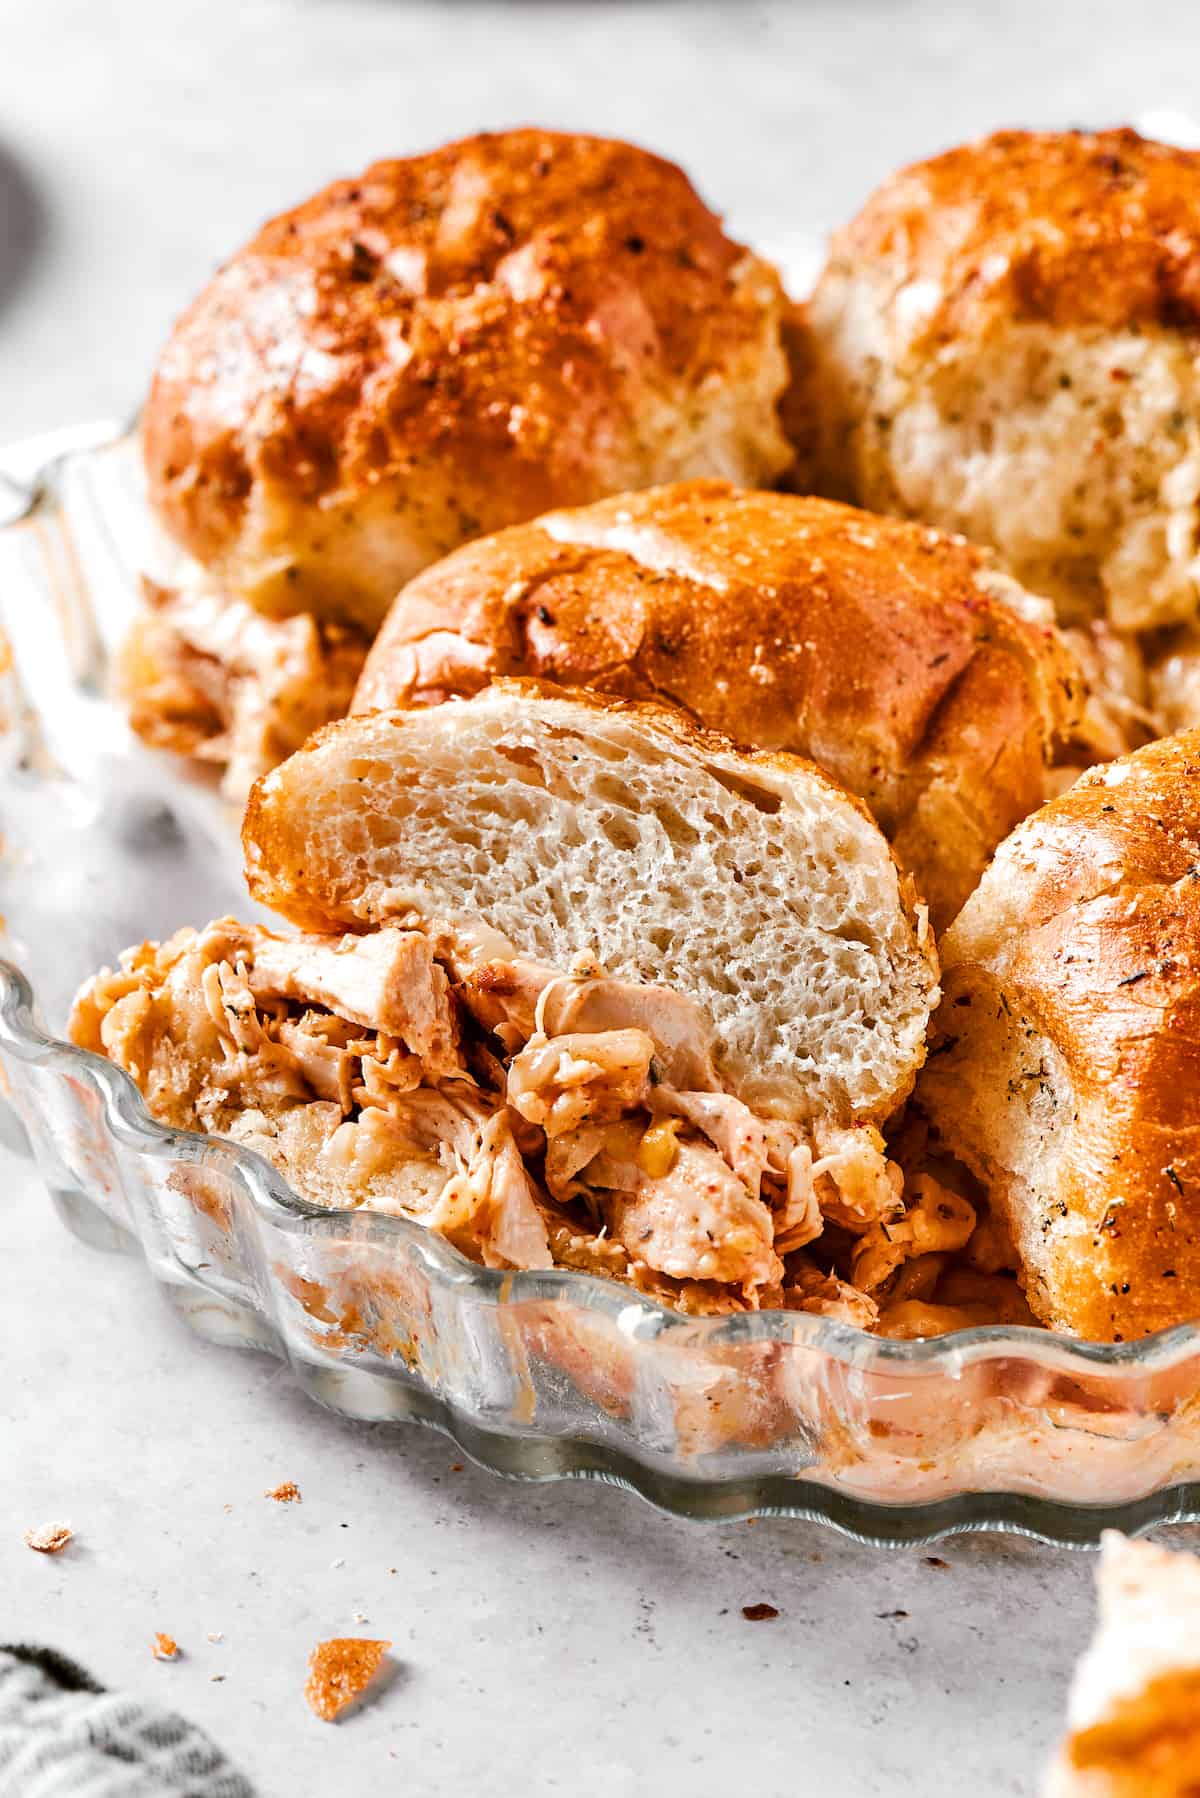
(750, 883)
(1085, 932)
(1073, 227)
(1124, 831)
(510, 322)
(882, 649)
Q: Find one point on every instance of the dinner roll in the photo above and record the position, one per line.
(1006, 343)
(446, 344)
(1135, 1699)
(574, 823)
(896, 657)
(1066, 1069)
(584, 986)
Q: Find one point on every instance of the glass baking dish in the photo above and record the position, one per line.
(537, 1375)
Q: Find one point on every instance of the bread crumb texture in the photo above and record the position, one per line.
(286, 1493)
(339, 1671)
(49, 1538)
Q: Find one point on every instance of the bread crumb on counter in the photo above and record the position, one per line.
(49, 1538)
(286, 1493)
(339, 1671)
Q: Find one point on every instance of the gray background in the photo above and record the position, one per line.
(157, 134)
(564, 1639)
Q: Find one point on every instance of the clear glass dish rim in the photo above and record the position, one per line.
(735, 1490)
(126, 1117)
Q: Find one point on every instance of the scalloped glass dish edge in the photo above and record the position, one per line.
(545, 1376)
(538, 1376)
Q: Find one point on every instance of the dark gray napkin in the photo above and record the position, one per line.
(63, 1736)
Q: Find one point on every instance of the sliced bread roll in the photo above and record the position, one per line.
(900, 659)
(751, 882)
(582, 985)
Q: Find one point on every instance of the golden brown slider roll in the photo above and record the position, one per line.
(1005, 342)
(896, 657)
(444, 345)
(449, 343)
(581, 985)
(1135, 1700)
(1067, 1074)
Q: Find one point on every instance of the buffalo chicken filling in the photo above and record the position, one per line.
(535, 1119)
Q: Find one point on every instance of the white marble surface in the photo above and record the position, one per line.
(564, 1639)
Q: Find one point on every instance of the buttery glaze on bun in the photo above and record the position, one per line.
(447, 344)
(896, 657)
(1134, 1709)
(1005, 342)
(1066, 1069)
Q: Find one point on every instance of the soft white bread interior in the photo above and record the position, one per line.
(1134, 1709)
(576, 825)
(1004, 343)
(901, 660)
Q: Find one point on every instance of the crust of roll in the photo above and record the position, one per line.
(449, 343)
(1069, 227)
(1006, 342)
(1066, 1065)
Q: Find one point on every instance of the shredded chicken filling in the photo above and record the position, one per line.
(205, 674)
(533, 1118)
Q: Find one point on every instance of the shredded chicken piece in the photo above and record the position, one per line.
(730, 1126)
(492, 1209)
(940, 1222)
(571, 1080)
(520, 999)
(386, 981)
(588, 1251)
(503, 995)
(443, 1127)
(207, 675)
(568, 1154)
(533, 1118)
(682, 1038)
(696, 1223)
(799, 1221)
(857, 1186)
(808, 1289)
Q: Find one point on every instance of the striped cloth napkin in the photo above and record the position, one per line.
(63, 1736)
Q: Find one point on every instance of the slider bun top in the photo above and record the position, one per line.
(449, 343)
(897, 657)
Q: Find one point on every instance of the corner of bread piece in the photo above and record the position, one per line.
(1134, 1706)
(281, 830)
